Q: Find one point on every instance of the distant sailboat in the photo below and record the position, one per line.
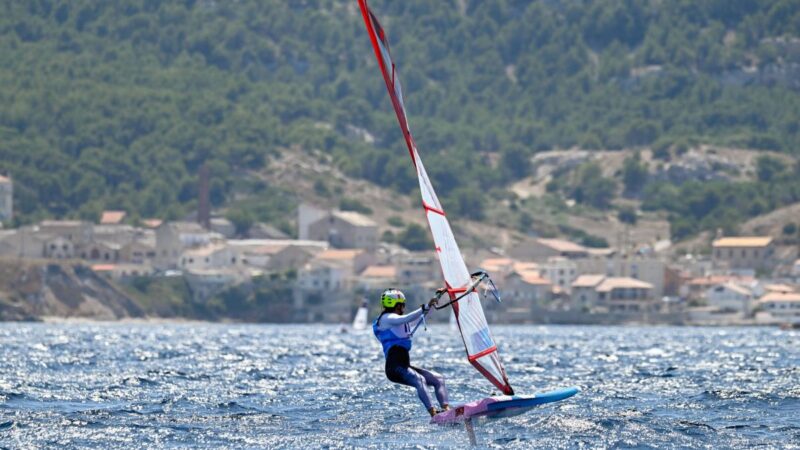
(360, 321)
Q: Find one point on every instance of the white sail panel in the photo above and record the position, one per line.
(478, 341)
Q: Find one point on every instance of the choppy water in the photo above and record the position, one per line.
(242, 386)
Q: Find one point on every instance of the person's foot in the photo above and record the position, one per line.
(446, 407)
(432, 411)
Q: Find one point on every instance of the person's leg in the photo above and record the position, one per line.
(437, 381)
(409, 377)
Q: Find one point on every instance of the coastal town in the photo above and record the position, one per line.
(337, 260)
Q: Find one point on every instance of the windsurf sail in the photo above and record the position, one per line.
(360, 321)
(478, 341)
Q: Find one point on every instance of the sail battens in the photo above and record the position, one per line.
(478, 342)
(483, 353)
(433, 210)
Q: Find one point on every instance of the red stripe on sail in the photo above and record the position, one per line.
(502, 385)
(482, 353)
(432, 209)
(388, 78)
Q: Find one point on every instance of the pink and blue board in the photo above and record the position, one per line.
(501, 406)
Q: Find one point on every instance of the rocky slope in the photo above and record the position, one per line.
(33, 290)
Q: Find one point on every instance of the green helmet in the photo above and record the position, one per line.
(391, 297)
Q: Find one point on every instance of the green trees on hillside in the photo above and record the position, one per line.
(117, 105)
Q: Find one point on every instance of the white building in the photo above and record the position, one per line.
(744, 253)
(731, 298)
(621, 294)
(526, 289)
(276, 255)
(377, 278)
(417, 269)
(648, 269)
(306, 215)
(213, 256)
(345, 229)
(59, 247)
(173, 238)
(541, 249)
(626, 294)
(75, 231)
(584, 290)
(784, 307)
(560, 271)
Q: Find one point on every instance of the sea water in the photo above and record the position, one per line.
(311, 386)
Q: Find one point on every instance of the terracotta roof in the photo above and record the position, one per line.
(389, 272)
(112, 217)
(601, 251)
(526, 267)
(152, 223)
(340, 254)
(719, 279)
(354, 218)
(588, 281)
(793, 297)
(612, 283)
(779, 288)
(534, 278)
(561, 245)
(750, 241)
(495, 263)
(103, 267)
(205, 251)
(738, 289)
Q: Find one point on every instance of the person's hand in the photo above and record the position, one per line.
(432, 302)
(440, 291)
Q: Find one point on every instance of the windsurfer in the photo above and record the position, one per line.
(395, 330)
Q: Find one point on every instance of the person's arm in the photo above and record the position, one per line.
(392, 319)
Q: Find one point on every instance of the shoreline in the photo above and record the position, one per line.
(56, 320)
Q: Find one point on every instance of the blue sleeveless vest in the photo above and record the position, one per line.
(389, 339)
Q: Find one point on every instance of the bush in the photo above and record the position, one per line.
(396, 221)
(627, 214)
(349, 204)
(415, 238)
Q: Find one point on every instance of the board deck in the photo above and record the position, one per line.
(501, 406)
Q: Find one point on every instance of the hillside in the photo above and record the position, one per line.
(117, 106)
(31, 290)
